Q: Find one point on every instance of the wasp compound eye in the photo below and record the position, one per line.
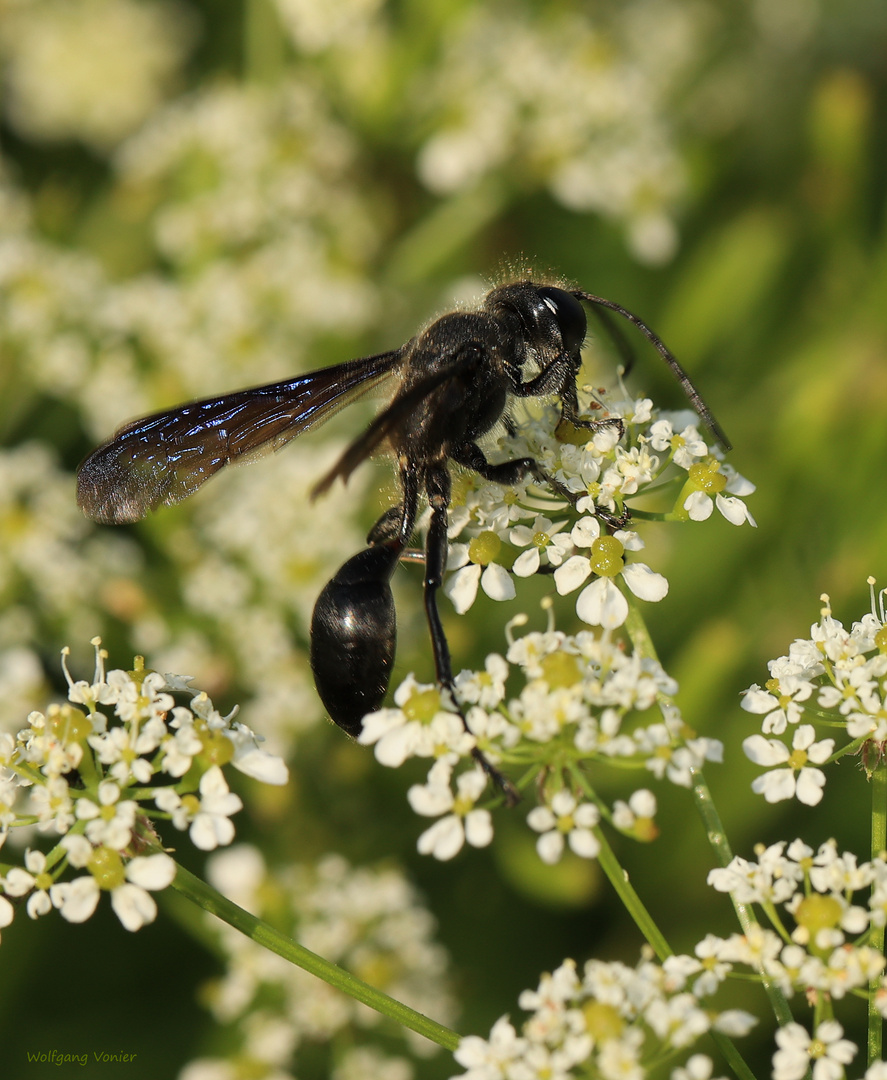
(569, 315)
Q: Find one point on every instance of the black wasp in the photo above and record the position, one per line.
(453, 384)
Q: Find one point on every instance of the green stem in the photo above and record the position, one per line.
(264, 43)
(711, 819)
(206, 897)
(876, 940)
(618, 878)
(717, 838)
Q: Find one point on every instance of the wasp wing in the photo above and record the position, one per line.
(382, 427)
(165, 457)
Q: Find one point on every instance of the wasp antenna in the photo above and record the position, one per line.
(689, 389)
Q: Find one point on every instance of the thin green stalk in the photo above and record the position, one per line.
(618, 878)
(264, 44)
(711, 819)
(879, 845)
(206, 897)
(644, 921)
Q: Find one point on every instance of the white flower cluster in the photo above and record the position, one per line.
(61, 59)
(95, 773)
(501, 533)
(611, 1022)
(836, 677)
(817, 948)
(583, 700)
(367, 919)
(568, 103)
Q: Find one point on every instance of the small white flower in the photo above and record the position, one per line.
(131, 902)
(779, 711)
(77, 899)
(464, 824)
(211, 826)
(565, 818)
(542, 537)
(490, 1059)
(828, 1052)
(601, 603)
(461, 587)
(699, 504)
(109, 822)
(33, 879)
(799, 779)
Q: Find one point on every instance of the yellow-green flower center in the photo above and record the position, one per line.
(483, 549)
(106, 867)
(422, 705)
(706, 476)
(606, 556)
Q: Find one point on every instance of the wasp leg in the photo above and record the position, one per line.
(438, 486)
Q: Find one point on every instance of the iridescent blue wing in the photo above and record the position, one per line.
(165, 457)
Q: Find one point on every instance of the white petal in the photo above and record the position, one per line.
(430, 800)
(585, 531)
(261, 765)
(571, 574)
(775, 786)
(550, 847)
(584, 843)
(820, 752)
(478, 828)
(645, 583)
(461, 587)
(810, 783)
(541, 819)
(457, 556)
(698, 505)
(134, 907)
(379, 723)
(76, 899)
(734, 510)
(151, 871)
(765, 751)
(39, 904)
(563, 802)
(497, 583)
(393, 749)
(527, 563)
(602, 604)
(208, 831)
(444, 839)
(756, 700)
(18, 882)
(735, 1022)
(7, 911)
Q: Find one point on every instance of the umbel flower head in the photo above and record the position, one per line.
(579, 530)
(91, 776)
(834, 679)
(610, 1020)
(561, 707)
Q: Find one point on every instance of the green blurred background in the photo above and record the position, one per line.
(198, 196)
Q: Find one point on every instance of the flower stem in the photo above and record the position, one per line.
(618, 878)
(711, 819)
(879, 845)
(206, 897)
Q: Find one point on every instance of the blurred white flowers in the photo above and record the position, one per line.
(92, 70)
